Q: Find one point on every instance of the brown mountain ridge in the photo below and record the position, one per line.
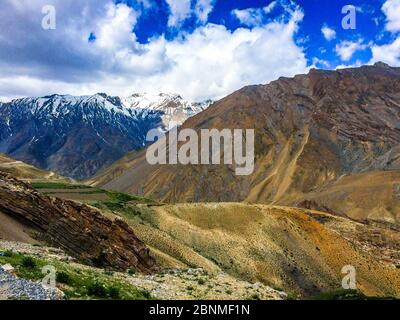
(328, 137)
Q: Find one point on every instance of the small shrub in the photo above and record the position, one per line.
(28, 262)
(63, 277)
(8, 253)
(131, 271)
(146, 294)
(201, 281)
(255, 296)
(114, 292)
(97, 289)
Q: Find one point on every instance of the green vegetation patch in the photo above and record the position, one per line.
(57, 185)
(119, 201)
(75, 282)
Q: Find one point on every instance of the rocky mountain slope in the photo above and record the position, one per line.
(168, 284)
(297, 251)
(328, 136)
(77, 136)
(25, 171)
(80, 230)
(200, 249)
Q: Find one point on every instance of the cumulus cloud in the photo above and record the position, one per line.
(328, 33)
(346, 49)
(320, 63)
(214, 61)
(253, 16)
(391, 8)
(114, 31)
(389, 53)
(203, 8)
(180, 11)
(209, 62)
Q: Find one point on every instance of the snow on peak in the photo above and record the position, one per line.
(170, 107)
(173, 107)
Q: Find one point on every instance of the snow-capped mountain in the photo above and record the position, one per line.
(76, 136)
(175, 110)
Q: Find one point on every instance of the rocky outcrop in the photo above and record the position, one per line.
(313, 205)
(79, 229)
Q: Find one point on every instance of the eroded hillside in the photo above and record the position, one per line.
(313, 133)
(284, 248)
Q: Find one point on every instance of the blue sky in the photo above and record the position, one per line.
(198, 48)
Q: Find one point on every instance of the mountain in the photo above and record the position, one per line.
(298, 251)
(327, 138)
(173, 109)
(77, 136)
(281, 247)
(243, 248)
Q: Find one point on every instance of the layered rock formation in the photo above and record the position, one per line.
(78, 229)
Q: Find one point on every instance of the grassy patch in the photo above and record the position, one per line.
(76, 283)
(57, 185)
(122, 198)
(119, 200)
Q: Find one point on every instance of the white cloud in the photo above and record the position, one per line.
(320, 62)
(389, 53)
(214, 61)
(253, 16)
(114, 31)
(328, 33)
(180, 11)
(210, 62)
(391, 8)
(203, 8)
(357, 64)
(346, 49)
